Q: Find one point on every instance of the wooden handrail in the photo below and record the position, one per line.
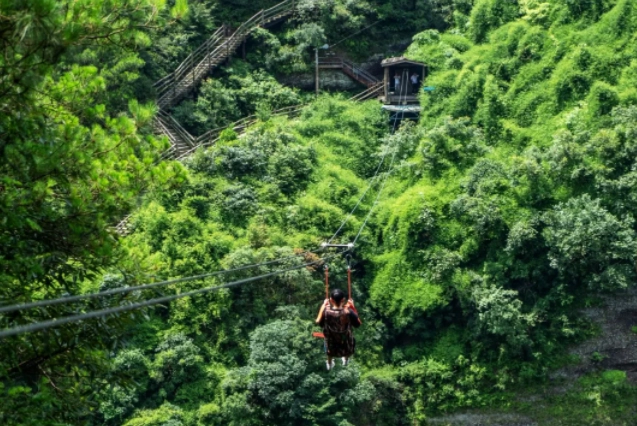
(367, 93)
(350, 68)
(182, 66)
(212, 136)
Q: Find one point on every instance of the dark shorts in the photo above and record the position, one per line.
(339, 345)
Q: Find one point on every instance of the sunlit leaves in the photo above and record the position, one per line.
(180, 9)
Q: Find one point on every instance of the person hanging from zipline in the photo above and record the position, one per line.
(337, 316)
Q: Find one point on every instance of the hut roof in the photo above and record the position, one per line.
(400, 60)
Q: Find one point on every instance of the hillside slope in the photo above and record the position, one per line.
(509, 209)
(503, 232)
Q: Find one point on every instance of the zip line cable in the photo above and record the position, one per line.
(351, 213)
(43, 325)
(68, 299)
(104, 312)
(391, 165)
(372, 181)
(356, 33)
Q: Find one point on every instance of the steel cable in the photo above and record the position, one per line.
(119, 290)
(109, 311)
(391, 164)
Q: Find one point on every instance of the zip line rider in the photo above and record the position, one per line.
(337, 316)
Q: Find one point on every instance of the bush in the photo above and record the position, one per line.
(499, 313)
(292, 167)
(591, 9)
(588, 244)
(489, 14)
(239, 202)
(602, 99)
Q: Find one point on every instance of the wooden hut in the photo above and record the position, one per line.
(398, 86)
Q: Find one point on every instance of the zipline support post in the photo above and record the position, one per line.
(316, 66)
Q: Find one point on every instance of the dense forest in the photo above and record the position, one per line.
(483, 230)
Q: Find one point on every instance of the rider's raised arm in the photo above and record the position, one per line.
(320, 314)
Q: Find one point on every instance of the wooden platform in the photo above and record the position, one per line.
(400, 100)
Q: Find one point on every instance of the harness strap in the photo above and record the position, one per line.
(327, 285)
(349, 282)
(349, 277)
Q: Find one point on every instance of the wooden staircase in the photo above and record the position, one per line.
(349, 68)
(217, 49)
(374, 85)
(372, 92)
(180, 140)
(213, 52)
(212, 136)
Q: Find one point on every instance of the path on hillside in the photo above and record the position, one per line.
(216, 50)
(213, 52)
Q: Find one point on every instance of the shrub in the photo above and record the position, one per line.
(489, 14)
(591, 9)
(602, 99)
(500, 314)
(292, 167)
(588, 244)
(239, 202)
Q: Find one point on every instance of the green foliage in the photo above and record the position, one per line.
(601, 398)
(442, 387)
(487, 15)
(72, 162)
(589, 245)
(237, 94)
(187, 24)
(591, 9)
(410, 294)
(180, 9)
(518, 140)
(499, 314)
(177, 362)
(285, 383)
(166, 415)
(509, 207)
(248, 200)
(454, 143)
